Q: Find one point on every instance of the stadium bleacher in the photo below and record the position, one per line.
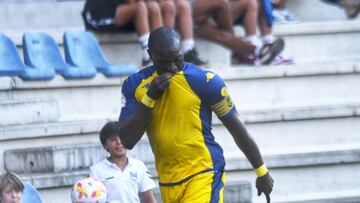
(41, 51)
(305, 117)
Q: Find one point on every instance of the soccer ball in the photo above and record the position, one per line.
(88, 190)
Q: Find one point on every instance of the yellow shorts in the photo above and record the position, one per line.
(203, 188)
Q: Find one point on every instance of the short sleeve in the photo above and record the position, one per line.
(92, 173)
(213, 92)
(146, 183)
(128, 101)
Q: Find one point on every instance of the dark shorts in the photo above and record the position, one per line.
(103, 20)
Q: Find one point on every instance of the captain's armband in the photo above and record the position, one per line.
(223, 107)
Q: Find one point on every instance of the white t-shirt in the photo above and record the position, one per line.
(123, 186)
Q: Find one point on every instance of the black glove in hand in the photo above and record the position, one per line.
(264, 185)
(159, 85)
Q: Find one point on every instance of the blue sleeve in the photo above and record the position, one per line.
(212, 91)
(128, 101)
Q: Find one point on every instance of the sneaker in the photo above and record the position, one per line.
(192, 57)
(243, 59)
(268, 52)
(146, 62)
(278, 17)
(289, 16)
(281, 60)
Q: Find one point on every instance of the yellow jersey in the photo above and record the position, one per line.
(180, 131)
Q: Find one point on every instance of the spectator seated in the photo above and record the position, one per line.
(30, 194)
(82, 49)
(41, 51)
(12, 65)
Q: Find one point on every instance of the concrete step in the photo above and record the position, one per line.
(309, 10)
(76, 99)
(281, 130)
(330, 183)
(324, 173)
(305, 42)
(252, 89)
(292, 129)
(38, 110)
(333, 42)
(307, 177)
(291, 85)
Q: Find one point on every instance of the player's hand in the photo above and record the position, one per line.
(159, 85)
(264, 185)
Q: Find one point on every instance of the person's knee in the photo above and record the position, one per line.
(183, 6)
(252, 5)
(141, 8)
(168, 7)
(153, 8)
(220, 4)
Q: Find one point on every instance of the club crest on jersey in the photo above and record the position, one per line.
(133, 176)
(209, 76)
(223, 91)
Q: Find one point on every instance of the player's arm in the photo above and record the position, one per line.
(132, 128)
(148, 197)
(264, 182)
(221, 104)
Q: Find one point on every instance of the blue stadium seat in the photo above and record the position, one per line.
(82, 49)
(12, 65)
(30, 194)
(41, 51)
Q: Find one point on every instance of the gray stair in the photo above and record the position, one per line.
(333, 42)
(326, 171)
(252, 90)
(38, 110)
(76, 99)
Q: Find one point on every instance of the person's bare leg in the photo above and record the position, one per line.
(155, 18)
(211, 31)
(168, 11)
(136, 12)
(247, 9)
(185, 22)
(205, 9)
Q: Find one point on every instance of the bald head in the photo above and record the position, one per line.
(165, 47)
(164, 42)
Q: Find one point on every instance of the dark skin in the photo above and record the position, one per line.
(140, 120)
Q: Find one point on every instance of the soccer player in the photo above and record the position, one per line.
(173, 102)
(124, 177)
